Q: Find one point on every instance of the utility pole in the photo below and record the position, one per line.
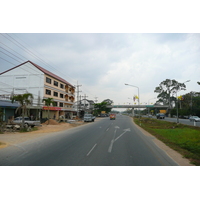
(84, 97)
(77, 86)
(96, 99)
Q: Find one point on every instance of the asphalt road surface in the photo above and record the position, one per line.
(182, 121)
(104, 142)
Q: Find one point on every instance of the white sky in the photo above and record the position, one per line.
(102, 62)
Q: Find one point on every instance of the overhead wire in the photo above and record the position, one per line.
(44, 62)
(18, 44)
(14, 64)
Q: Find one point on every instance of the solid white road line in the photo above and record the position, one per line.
(111, 145)
(91, 150)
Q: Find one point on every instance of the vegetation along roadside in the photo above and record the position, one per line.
(182, 138)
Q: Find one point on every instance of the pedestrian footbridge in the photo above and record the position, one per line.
(137, 106)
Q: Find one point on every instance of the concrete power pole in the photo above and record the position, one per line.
(84, 97)
(77, 86)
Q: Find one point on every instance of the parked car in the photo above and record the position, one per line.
(160, 116)
(27, 121)
(194, 118)
(88, 118)
(104, 115)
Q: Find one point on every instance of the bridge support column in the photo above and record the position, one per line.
(133, 112)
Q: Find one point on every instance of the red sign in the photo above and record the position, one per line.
(51, 108)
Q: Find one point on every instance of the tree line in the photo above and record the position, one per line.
(187, 104)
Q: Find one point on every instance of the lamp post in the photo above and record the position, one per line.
(138, 94)
(177, 119)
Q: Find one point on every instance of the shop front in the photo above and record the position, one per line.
(56, 112)
(8, 109)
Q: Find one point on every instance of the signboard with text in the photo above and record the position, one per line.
(51, 108)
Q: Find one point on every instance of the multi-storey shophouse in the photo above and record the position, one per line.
(29, 77)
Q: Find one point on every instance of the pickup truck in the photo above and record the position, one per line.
(160, 116)
(88, 118)
(27, 121)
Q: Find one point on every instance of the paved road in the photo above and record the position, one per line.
(101, 143)
(182, 121)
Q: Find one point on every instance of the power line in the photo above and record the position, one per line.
(12, 40)
(24, 48)
(7, 61)
(44, 62)
(9, 56)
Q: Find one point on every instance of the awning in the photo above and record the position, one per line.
(8, 104)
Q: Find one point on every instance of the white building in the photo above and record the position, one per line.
(30, 77)
(84, 106)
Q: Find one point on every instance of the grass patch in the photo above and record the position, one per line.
(182, 138)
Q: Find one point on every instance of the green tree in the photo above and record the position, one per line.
(48, 103)
(24, 100)
(166, 90)
(101, 107)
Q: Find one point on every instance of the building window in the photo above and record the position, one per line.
(55, 94)
(48, 92)
(55, 103)
(61, 104)
(48, 80)
(55, 83)
(61, 86)
(61, 95)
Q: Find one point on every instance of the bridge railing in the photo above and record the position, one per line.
(137, 106)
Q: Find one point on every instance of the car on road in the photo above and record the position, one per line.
(160, 116)
(88, 118)
(27, 121)
(194, 118)
(112, 116)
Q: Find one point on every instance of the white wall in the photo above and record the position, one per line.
(26, 78)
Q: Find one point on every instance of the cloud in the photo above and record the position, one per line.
(102, 63)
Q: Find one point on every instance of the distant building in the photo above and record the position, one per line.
(30, 77)
(108, 101)
(84, 106)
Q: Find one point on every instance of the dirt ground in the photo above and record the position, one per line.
(11, 138)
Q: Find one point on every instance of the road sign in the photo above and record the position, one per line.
(149, 106)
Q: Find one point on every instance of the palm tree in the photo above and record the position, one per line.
(23, 100)
(48, 102)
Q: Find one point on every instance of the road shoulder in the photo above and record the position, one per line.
(177, 157)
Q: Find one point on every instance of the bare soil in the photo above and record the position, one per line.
(11, 138)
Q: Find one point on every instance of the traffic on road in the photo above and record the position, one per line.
(104, 142)
(182, 121)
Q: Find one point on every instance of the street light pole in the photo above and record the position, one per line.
(138, 94)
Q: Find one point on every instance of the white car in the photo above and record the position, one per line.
(88, 118)
(27, 121)
(195, 118)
